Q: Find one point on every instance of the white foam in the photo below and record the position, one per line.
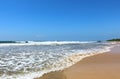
(66, 60)
(44, 43)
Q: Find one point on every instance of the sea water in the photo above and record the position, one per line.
(33, 59)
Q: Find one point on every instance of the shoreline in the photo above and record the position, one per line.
(85, 68)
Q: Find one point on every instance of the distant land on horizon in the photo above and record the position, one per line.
(118, 39)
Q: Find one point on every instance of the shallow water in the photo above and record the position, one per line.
(27, 61)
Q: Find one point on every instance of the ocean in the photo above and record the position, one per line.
(33, 59)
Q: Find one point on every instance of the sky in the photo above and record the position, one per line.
(59, 19)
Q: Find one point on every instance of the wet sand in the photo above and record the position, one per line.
(101, 66)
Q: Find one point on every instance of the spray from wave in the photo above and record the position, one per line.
(33, 59)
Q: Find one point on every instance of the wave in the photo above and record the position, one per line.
(29, 62)
(44, 43)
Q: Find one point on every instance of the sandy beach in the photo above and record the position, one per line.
(101, 66)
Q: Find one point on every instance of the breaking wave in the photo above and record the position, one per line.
(31, 60)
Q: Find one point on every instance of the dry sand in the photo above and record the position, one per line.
(101, 66)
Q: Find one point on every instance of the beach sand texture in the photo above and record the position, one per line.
(101, 66)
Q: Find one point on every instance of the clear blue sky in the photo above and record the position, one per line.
(59, 19)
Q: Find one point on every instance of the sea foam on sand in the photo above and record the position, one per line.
(31, 61)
